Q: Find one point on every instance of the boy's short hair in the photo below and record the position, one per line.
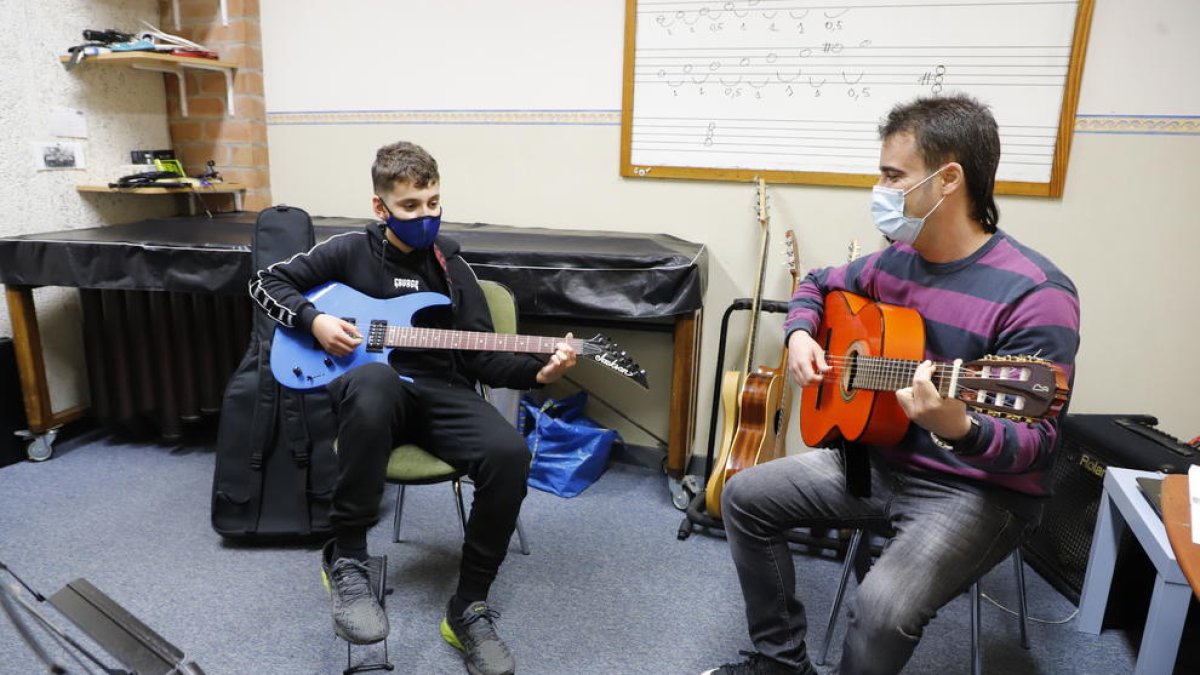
(955, 128)
(403, 162)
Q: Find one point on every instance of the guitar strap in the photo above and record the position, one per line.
(857, 464)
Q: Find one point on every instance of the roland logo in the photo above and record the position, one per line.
(1090, 464)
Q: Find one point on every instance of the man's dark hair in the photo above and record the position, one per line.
(403, 162)
(955, 129)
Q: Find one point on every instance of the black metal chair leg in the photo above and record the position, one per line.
(851, 556)
(1019, 566)
(976, 647)
(462, 511)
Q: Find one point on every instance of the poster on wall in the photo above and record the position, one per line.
(58, 155)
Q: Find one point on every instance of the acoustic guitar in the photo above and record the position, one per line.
(299, 362)
(758, 431)
(874, 349)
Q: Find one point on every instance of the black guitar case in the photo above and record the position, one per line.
(275, 467)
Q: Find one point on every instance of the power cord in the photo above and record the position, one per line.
(1030, 618)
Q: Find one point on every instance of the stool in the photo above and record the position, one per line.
(852, 562)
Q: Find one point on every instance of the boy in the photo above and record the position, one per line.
(425, 396)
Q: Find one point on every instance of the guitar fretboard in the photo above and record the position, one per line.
(436, 338)
(878, 373)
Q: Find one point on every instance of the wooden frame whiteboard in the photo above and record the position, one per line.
(792, 90)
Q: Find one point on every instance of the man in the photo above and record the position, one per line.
(424, 396)
(961, 488)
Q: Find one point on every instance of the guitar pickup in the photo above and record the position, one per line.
(377, 335)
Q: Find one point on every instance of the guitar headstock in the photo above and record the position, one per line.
(853, 251)
(606, 352)
(792, 250)
(1022, 388)
(764, 218)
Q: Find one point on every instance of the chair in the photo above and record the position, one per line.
(859, 560)
(411, 465)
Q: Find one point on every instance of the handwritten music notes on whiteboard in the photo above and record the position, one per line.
(794, 89)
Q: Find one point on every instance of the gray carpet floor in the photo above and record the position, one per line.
(608, 587)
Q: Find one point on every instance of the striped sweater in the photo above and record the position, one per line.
(1003, 299)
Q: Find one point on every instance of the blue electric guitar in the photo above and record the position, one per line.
(299, 362)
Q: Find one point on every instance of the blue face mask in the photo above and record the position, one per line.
(887, 209)
(416, 232)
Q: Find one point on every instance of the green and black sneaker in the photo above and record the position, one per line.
(357, 615)
(474, 633)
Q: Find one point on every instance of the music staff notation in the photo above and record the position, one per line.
(780, 79)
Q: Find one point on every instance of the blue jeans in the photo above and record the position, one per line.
(947, 535)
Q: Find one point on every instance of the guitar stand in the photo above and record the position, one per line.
(377, 573)
(696, 513)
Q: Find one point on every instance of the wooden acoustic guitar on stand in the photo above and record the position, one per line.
(763, 401)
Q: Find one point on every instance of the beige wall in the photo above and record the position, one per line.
(1125, 230)
(125, 109)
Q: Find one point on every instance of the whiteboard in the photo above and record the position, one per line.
(794, 90)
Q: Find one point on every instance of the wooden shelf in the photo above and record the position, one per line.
(167, 63)
(235, 189)
(219, 188)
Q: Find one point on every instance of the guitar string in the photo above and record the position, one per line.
(445, 337)
(881, 372)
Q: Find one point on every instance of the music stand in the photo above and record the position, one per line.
(106, 622)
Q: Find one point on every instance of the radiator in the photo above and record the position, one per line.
(157, 360)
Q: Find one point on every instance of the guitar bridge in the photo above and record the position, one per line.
(376, 335)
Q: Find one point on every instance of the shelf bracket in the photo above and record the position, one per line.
(224, 13)
(177, 71)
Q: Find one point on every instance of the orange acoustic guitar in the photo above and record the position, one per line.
(874, 349)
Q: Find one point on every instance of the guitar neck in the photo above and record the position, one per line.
(877, 373)
(408, 337)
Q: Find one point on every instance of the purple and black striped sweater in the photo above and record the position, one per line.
(1003, 299)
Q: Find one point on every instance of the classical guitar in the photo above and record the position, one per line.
(299, 362)
(746, 417)
(874, 349)
(766, 403)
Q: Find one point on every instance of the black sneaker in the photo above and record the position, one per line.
(357, 616)
(474, 633)
(758, 664)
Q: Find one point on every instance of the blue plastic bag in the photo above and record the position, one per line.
(569, 450)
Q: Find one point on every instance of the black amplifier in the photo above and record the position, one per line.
(1059, 548)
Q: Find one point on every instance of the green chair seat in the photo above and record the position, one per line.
(411, 464)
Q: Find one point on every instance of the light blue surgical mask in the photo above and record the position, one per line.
(416, 232)
(887, 209)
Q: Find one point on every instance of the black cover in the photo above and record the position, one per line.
(553, 272)
(1060, 547)
(12, 409)
(275, 467)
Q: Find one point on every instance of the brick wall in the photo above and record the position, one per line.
(237, 143)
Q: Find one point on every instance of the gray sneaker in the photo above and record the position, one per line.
(474, 633)
(357, 616)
